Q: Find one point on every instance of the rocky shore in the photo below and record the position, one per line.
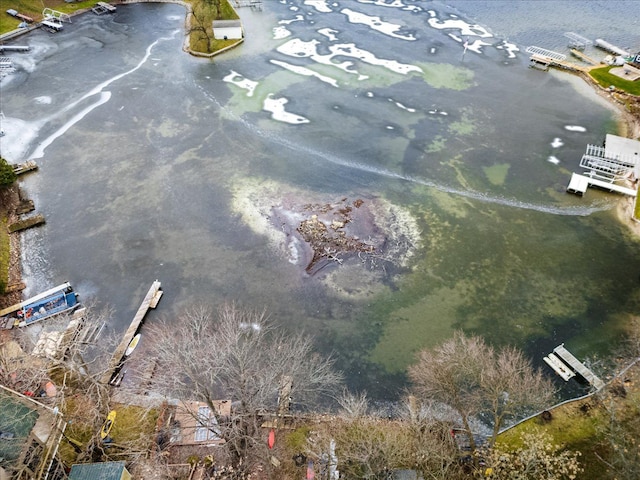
(9, 200)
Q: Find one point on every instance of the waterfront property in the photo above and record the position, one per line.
(618, 160)
(48, 304)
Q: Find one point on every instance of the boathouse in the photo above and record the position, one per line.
(227, 29)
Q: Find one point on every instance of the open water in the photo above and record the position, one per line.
(146, 153)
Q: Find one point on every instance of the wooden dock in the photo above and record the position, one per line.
(150, 301)
(578, 366)
(585, 58)
(25, 167)
(27, 223)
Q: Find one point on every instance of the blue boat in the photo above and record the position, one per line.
(48, 304)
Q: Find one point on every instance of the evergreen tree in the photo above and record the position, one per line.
(7, 175)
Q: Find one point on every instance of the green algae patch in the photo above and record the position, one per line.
(415, 327)
(497, 174)
(464, 126)
(438, 144)
(443, 75)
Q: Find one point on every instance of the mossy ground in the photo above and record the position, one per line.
(582, 425)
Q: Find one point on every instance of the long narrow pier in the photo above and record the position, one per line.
(578, 366)
(150, 301)
(582, 56)
(580, 183)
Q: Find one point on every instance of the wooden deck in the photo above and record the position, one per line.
(578, 366)
(150, 301)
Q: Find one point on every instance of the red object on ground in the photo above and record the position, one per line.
(272, 438)
(311, 474)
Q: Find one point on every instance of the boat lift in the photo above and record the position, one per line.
(577, 41)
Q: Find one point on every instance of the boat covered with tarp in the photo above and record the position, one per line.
(45, 305)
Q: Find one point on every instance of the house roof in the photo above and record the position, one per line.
(97, 471)
(227, 24)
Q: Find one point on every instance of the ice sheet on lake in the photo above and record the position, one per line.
(393, 4)
(301, 49)
(510, 48)
(297, 18)
(329, 33)
(320, 5)
(281, 32)
(375, 23)
(404, 107)
(557, 142)
(455, 23)
(306, 72)
(238, 80)
(278, 112)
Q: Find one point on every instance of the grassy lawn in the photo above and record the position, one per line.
(201, 31)
(606, 79)
(582, 425)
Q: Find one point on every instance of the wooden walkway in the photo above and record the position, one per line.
(578, 366)
(585, 58)
(150, 301)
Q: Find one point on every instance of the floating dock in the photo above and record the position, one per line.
(103, 7)
(150, 301)
(578, 366)
(559, 367)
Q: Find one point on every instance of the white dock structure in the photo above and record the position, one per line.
(609, 47)
(578, 366)
(103, 7)
(618, 160)
(580, 183)
(150, 301)
(559, 367)
(577, 41)
(542, 58)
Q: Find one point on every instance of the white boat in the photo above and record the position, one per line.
(132, 345)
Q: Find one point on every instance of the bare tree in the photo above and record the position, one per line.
(477, 381)
(235, 354)
(198, 27)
